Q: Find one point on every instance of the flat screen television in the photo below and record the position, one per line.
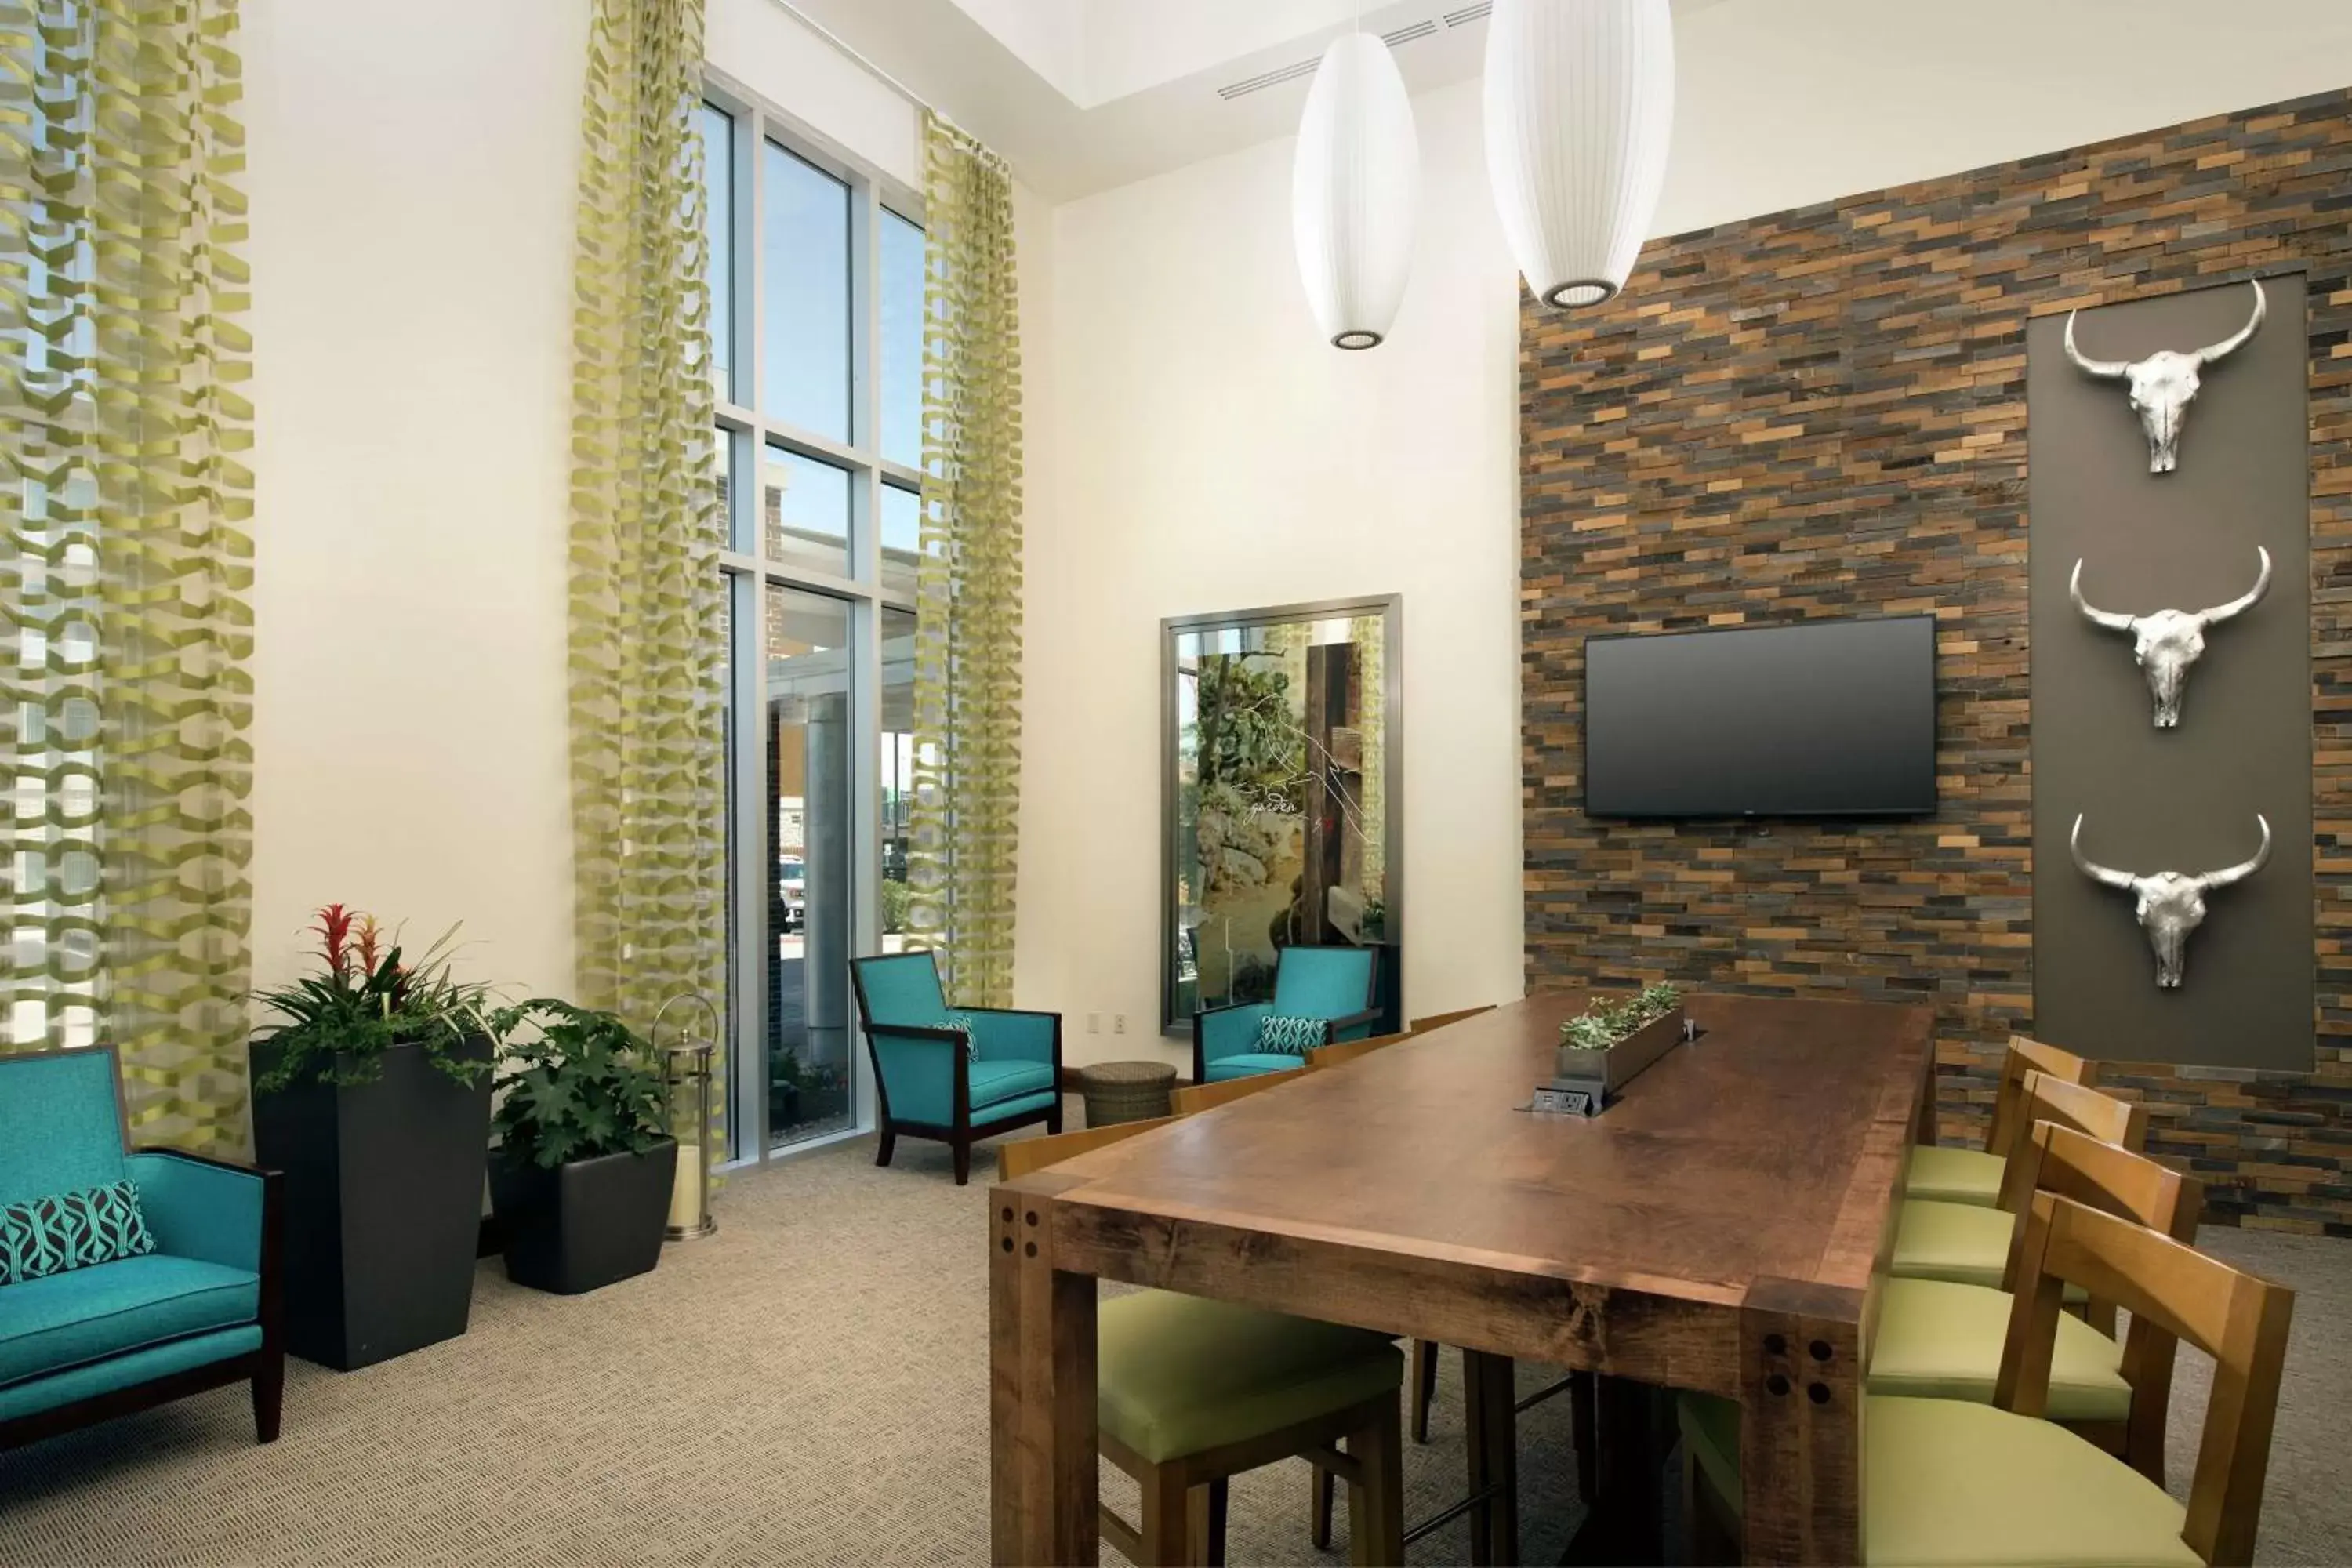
(1819, 719)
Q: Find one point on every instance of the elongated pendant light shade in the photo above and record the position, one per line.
(1353, 190)
(1579, 97)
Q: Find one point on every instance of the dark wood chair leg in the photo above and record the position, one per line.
(1320, 1497)
(1490, 1414)
(1054, 1121)
(1213, 1541)
(963, 1162)
(889, 1146)
(269, 1396)
(1424, 1387)
(1167, 1518)
(1376, 1505)
(1585, 1425)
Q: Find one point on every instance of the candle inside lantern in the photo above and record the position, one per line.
(686, 1191)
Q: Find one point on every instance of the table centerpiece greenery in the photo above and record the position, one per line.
(1605, 1023)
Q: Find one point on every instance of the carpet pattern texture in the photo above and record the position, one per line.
(810, 1386)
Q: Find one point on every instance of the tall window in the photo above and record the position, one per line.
(816, 282)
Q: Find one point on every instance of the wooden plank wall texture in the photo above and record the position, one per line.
(1821, 412)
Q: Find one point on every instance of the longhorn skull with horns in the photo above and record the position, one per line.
(2170, 904)
(2165, 643)
(2163, 383)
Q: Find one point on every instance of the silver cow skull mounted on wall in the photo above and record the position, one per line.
(2164, 384)
(2169, 905)
(2165, 643)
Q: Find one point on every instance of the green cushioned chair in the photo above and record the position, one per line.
(1336, 984)
(1941, 1341)
(1951, 1482)
(928, 1086)
(1950, 1174)
(1190, 1391)
(200, 1311)
(1957, 1482)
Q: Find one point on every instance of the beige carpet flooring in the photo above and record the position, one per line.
(809, 1386)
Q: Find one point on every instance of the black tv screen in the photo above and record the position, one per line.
(1822, 719)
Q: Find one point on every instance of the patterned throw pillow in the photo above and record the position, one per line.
(962, 1023)
(71, 1230)
(1288, 1036)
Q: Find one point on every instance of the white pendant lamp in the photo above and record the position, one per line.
(1580, 108)
(1353, 190)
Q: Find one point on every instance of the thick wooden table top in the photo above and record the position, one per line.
(1769, 1149)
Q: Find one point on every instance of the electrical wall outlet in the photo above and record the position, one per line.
(1094, 1023)
(1118, 1024)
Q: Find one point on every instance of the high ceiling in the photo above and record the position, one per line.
(1083, 95)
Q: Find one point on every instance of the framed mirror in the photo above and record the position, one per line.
(1281, 798)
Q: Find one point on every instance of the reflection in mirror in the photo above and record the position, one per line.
(1281, 758)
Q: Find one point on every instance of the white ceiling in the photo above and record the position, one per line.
(1084, 95)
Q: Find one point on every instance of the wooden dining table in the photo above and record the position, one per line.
(1717, 1228)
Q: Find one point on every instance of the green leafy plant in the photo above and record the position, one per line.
(896, 899)
(334, 1026)
(580, 1085)
(1604, 1024)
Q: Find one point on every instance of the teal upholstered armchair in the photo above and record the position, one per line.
(1335, 984)
(106, 1339)
(929, 1085)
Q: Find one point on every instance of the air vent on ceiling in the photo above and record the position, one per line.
(1410, 33)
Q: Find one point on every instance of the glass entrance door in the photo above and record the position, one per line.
(810, 1066)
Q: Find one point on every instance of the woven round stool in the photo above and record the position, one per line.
(1126, 1092)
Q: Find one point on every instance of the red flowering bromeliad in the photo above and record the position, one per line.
(335, 1026)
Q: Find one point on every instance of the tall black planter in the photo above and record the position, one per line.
(583, 1226)
(383, 1202)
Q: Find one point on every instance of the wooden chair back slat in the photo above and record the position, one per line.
(1332, 1056)
(1195, 1098)
(2116, 1181)
(1017, 1157)
(2043, 1098)
(2023, 1057)
(2240, 1320)
(1439, 1020)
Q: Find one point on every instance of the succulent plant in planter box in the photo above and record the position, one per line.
(581, 1180)
(1604, 1024)
(371, 1092)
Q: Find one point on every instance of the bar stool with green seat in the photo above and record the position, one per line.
(1952, 1481)
(1970, 1245)
(1943, 1341)
(1190, 1391)
(1321, 995)
(1950, 1173)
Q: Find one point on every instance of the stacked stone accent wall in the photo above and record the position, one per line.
(1821, 413)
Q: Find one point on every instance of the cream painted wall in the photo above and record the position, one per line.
(1207, 452)
(412, 178)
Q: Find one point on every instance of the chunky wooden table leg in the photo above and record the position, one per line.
(1041, 1320)
(1800, 1423)
(1490, 1414)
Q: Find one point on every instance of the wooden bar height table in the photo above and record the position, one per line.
(1715, 1230)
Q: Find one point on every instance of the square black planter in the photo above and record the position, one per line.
(583, 1226)
(383, 1202)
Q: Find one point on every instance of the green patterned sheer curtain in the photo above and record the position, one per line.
(647, 611)
(965, 838)
(124, 564)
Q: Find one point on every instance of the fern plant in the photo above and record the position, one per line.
(583, 1085)
(1604, 1024)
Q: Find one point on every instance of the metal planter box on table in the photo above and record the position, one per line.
(383, 1201)
(583, 1226)
(1589, 1080)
